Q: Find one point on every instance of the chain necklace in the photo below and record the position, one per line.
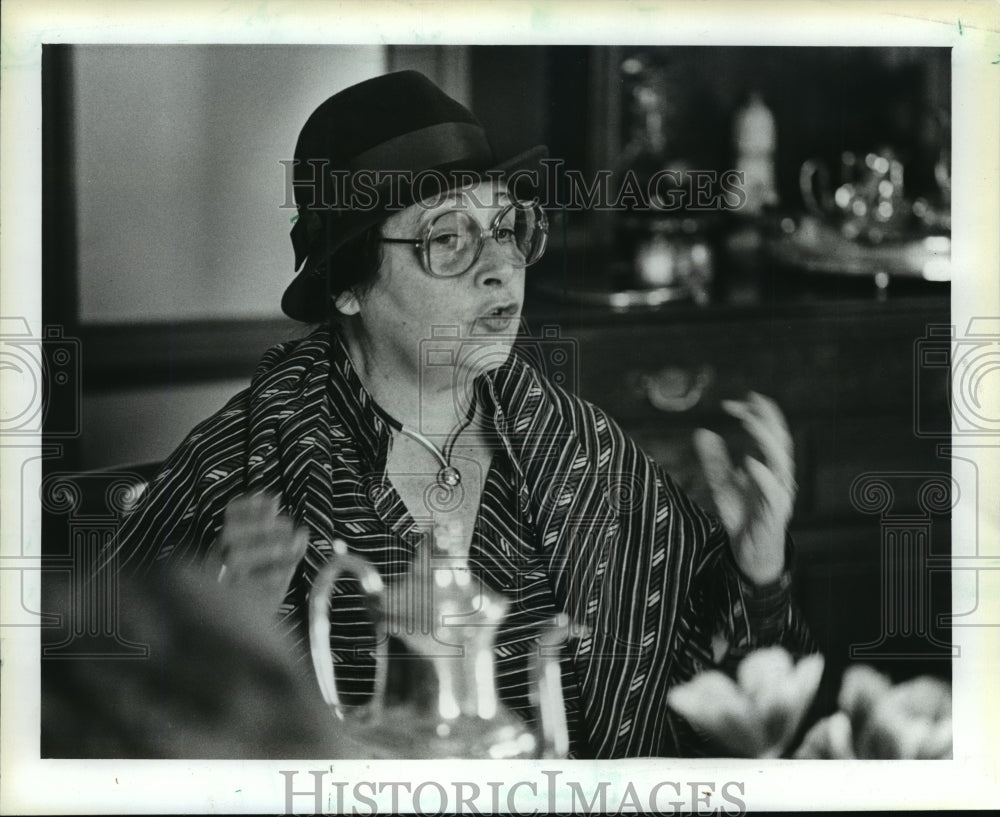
(448, 476)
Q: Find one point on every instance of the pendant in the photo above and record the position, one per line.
(449, 477)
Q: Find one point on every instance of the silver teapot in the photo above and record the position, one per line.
(447, 622)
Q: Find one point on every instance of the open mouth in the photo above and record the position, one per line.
(505, 311)
(499, 318)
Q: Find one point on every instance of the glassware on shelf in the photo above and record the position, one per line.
(661, 242)
(754, 140)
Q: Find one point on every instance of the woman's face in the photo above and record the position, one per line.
(441, 327)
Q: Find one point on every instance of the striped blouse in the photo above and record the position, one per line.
(573, 518)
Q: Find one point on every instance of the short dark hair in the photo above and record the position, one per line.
(355, 264)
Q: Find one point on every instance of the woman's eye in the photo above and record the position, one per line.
(505, 234)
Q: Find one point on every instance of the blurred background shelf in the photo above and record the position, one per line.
(165, 250)
(847, 374)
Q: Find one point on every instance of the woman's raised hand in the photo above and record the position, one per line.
(260, 548)
(754, 501)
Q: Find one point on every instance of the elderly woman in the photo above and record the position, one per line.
(408, 407)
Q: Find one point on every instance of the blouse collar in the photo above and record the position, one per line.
(502, 394)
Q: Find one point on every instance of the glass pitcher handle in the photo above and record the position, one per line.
(546, 689)
(319, 624)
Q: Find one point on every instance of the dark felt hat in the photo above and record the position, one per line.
(369, 151)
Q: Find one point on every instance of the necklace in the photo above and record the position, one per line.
(448, 476)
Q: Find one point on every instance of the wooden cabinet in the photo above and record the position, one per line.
(845, 374)
(847, 371)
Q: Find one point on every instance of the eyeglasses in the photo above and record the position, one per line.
(454, 240)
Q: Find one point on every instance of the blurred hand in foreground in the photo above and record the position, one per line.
(260, 549)
(758, 715)
(878, 720)
(219, 682)
(754, 501)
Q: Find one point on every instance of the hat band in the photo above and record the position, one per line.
(451, 143)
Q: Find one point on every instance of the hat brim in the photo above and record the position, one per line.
(307, 297)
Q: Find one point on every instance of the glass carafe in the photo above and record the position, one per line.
(447, 621)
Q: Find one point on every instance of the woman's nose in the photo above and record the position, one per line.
(494, 267)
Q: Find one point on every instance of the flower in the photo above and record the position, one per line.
(759, 713)
(910, 720)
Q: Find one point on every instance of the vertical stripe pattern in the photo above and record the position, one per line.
(573, 518)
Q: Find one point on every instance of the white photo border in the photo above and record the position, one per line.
(970, 29)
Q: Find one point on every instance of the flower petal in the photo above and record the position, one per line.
(860, 688)
(762, 670)
(938, 743)
(904, 720)
(712, 702)
(786, 702)
(828, 739)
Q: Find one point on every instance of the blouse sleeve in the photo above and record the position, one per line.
(179, 517)
(725, 615)
(725, 608)
(756, 615)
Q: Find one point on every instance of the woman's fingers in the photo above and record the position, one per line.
(768, 409)
(763, 421)
(257, 512)
(731, 486)
(256, 537)
(726, 484)
(256, 543)
(774, 492)
(714, 457)
(754, 502)
(266, 555)
(260, 549)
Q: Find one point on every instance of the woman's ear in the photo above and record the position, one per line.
(347, 303)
